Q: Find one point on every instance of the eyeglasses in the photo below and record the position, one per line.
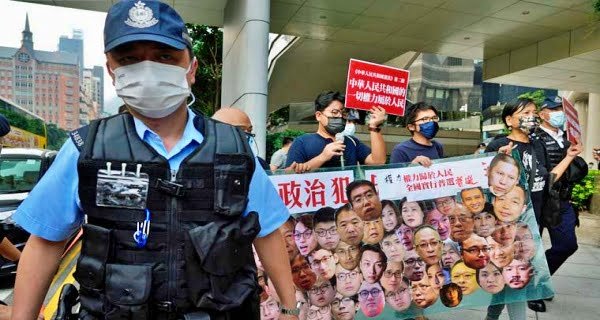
(351, 250)
(433, 244)
(477, 250)
(337, 302)
(337, 113)
(320, 289)
(363, 294)
(441, 203)
(461, 219)
(358, 200)
(393, 294)
(322, 232)
(347, 275)
(390, 273)
(427, 119)
(413, 261)
(306, 234)
(316, 262)
(312, 313)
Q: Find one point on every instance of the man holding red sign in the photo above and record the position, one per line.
(328, 147)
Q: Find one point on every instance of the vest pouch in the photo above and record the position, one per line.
(232, 182)
(127, 291)
(221, 271)
(94, 254)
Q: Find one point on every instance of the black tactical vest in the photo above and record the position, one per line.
(555, 152)
(198, 255)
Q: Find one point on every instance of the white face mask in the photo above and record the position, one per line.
(350, 129)
(153, 89)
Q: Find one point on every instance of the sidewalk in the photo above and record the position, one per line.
(577, 282)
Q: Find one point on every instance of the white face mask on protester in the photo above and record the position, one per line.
(153, 89)
(350, 129)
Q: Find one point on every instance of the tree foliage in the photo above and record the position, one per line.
(20, 121)
(537, 96)
(56, 136)
(275, 140)
(207, 45)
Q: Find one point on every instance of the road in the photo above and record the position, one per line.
(64, 275)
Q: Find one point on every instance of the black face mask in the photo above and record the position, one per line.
(335, 125)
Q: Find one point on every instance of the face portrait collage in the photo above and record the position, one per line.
(374, 254)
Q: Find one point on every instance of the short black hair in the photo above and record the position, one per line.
(503, 157)
(325, 214)
(341, 209)
(375, 248)
(514, 107)
(325, 98)
(287, 140)
(471, 188)
(357, 183)
(411, 113)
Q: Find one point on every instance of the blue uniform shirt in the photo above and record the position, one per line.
(52, 210)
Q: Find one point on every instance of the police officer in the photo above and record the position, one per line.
(173, 200)
(562, 236)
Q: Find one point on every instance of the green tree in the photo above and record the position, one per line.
(56, 136)
(537, 96)
(207, 45)
(274, 140)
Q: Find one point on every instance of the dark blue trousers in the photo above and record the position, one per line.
(562, 237)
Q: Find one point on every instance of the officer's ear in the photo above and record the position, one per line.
(110, 72)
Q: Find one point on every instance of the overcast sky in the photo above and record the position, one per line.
(48, 23)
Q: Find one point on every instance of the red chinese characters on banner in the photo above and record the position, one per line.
(573, 129)
(310, 192)
(371, 84)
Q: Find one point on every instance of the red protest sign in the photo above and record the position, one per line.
(371, 84)
(573, 129)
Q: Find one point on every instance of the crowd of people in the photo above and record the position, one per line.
(407, 255)
(184, 249)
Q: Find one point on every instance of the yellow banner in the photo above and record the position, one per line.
(19, 138)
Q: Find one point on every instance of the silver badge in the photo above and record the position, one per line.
(140, 16)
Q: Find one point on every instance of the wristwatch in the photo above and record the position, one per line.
(376, 129)
(291, 312)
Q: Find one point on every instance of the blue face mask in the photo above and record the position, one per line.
(429, 129)
(557, 119)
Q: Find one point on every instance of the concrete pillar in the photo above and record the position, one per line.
(592, 132)
(245, 58)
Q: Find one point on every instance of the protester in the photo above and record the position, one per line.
(279, 157)
(422, 122)
(323, 149)
(480, 148)
(172, 146)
